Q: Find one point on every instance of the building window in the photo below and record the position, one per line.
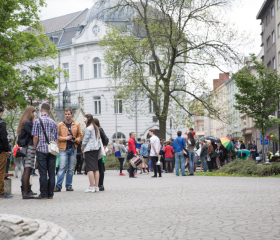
(279, 30)
(119, 136)
(96, 68)
(269, 65)
(151, 106)
(24, 73)
(267, 19)
(268, 42)
(117, 69)
(279, 58)
(97, 105)
(81, 69)
(152, 67)
(274, 63)
(118, 106)
(202, 127)
(273, 37)
(272, 12)
(66, 68)
(202, 117)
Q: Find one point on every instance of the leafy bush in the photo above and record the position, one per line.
(248, 167)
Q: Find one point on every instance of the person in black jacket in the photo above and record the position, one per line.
(4, 149)
(25, 139)
(105, 141)
(79, 158)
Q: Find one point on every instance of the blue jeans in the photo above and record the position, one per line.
(46, 168)
(65, 157)
(204, 163)
(191, 161)
(179, 156)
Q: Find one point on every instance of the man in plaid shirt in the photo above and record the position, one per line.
(46, 161)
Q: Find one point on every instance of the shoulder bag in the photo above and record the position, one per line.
(101, 152)
(185, 151)
(52, 146)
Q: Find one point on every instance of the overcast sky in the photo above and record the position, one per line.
(243, 14)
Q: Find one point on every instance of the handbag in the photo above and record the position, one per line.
(21, 152)
(185, 151)
(215, 154)
(101, 152)
(52, 146)
(208, 158)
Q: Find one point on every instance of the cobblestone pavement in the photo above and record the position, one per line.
(170, 207)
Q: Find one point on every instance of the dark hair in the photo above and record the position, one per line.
(179, 133)
(152, 130)
(68, 110)
(91, 121)
(130, 134)
(1, 109)
(45, 107)
(190, 137)
(96, 121)
(191, 129)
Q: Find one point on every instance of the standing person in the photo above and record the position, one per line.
(190, 148)
(46, 161)
(90, 147)
(210, 151)
(250, 145)
(69, 137)
(4, 149)
(162, 155)
(131, 153)
(155, 149)
(9, 155)
(242, 144)
(144, 154)
(203, 154)
(122, 156)
(79, 157)
(178, 144)
(254, 150)
(101, 167)
(168, 150)
(25, 139)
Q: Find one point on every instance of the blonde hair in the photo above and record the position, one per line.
(26, 115)
(120, 142)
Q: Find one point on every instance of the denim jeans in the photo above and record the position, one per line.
(179, 157)
(46, 168)
(65, 157)
(204, 163)
(191, 161)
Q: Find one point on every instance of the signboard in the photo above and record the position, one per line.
(266, 141)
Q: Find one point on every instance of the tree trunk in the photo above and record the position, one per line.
(162, 128)
(263, 156)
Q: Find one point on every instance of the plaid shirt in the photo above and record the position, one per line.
(51, 131)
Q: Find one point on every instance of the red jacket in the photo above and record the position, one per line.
(131, 146)
(168, 151)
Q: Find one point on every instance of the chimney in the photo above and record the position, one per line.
(222, 78)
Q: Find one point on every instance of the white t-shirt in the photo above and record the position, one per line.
(155, 140)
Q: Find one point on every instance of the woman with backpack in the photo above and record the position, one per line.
(25, 139)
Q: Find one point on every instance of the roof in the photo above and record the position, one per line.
(263, 8)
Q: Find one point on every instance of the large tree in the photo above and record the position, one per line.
(22, 40)
(160, 53)
(258, 94)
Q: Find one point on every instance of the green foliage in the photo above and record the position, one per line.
(12, 118)
(249, 167)
(159, 55)
(19, 45)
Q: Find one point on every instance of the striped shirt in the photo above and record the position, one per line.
(51, 131)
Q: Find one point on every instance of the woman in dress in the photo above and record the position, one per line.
(25, 139)
(90, 147)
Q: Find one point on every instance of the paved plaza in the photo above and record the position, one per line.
(162, 208)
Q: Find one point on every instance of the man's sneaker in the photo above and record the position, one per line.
(6, 195)
(69, 189)
(57, 189)
(40, 197)
(122, 174)
(96, 189)
(90, 190)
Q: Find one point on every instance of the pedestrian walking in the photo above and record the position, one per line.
(69, 137)
(155, 149)
(46, 161)
(90, 147)
(131, 153)
(4, 149)
(101, 167)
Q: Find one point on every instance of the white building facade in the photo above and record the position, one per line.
(76, 36)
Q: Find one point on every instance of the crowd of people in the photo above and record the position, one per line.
(157, 155)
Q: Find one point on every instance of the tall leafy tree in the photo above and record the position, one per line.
(22, 40)
(160, 53)
(258, 97)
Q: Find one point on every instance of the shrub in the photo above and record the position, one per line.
(249, 167)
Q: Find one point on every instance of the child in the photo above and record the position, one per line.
(168, 150)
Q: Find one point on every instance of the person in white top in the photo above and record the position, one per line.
(154, 153)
